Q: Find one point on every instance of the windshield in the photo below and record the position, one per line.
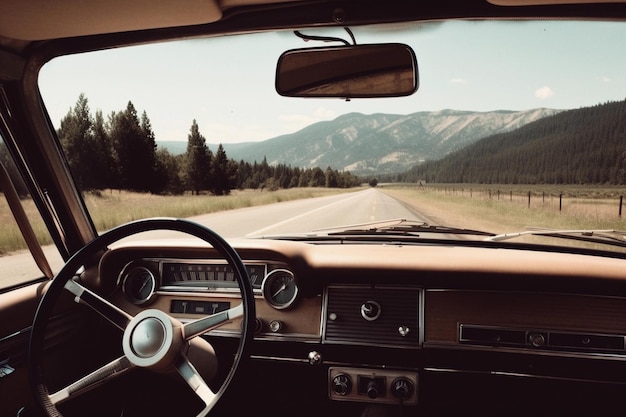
(514, 125)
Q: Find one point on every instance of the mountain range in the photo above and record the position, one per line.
(378, 143)
(579, 146)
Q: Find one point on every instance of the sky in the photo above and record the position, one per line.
(227, 84)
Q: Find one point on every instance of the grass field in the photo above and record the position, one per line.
(495, 208)
(111, 208)
(482, 207)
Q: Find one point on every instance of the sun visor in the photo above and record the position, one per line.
(24, 20)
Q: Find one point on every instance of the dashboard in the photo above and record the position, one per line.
(385, 324)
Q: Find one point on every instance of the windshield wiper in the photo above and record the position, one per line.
(608, 236)
(402, 227)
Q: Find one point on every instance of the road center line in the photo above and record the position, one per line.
(260, 231)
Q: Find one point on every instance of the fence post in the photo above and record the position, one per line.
(529, 199)
(511, 196)
(560, 201)
(621, 200)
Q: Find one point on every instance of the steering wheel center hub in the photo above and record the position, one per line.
(148, 337)
(152, 339)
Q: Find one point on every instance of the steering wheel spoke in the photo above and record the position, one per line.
(107, 310)
(109, 371)
(205, 324)
(195, 381)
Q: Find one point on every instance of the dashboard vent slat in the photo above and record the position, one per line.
(399, 310)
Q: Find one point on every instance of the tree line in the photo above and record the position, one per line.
(121, 153)
(582, 146)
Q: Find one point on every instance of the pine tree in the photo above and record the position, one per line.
(135, 149)
(76, 138)
(197, 162)
(104, 162)
(222, 175)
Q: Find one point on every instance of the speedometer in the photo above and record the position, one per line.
(279, 289)
(139, 284)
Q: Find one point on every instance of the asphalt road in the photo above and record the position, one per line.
(304, 216)
(300, 216)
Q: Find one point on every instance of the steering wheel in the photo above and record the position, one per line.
(152, 339)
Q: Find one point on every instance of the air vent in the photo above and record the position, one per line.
(383, 316)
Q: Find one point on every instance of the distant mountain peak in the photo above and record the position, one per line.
(383, 143)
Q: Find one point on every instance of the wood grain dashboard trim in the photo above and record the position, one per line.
(444, 310)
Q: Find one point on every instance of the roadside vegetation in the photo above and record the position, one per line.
(505, 208)
(120, 151)
(110, 208)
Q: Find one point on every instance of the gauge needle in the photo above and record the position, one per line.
(142, 287)
(281, 289)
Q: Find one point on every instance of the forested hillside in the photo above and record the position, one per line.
(121, 152)
(375, 144)
(583, 146)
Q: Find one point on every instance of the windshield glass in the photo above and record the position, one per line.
(514, 125)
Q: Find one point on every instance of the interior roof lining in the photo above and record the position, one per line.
(311, 13)
(549, 2)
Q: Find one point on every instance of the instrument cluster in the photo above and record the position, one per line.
(140, 280)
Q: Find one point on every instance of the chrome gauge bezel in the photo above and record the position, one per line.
(132, 273)
(268, 285)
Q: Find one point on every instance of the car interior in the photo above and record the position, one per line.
(370, 321)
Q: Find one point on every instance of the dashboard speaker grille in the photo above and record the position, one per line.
(397, 323)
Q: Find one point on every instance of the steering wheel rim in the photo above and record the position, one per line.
(64, 278)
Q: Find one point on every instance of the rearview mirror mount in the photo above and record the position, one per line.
(357, 71)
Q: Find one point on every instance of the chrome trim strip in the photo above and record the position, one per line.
(517, 351)
(357, 343)
(335, 363)
(267, 337)
(279, 359)
(570, 294)
(287, 337)
(9, 337)
(520, 375)
(194, 292)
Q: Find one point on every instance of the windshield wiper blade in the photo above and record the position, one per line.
(606, 236)
(399, 227)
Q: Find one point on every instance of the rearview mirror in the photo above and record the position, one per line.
(385, 70)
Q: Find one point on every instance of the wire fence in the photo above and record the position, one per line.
(610, 204)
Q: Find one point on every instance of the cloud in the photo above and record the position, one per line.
(605, 79)
(295, 122)
(458, 81)
(227, 133)
(544, 93)
(324, 113)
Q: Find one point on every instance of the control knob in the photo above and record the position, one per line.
(342, 385)
(402, 388)
(372, 389)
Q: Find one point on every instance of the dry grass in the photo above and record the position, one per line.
(508, 214)
(111, 208)
(459, 206)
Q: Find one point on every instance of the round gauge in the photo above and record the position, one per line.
(139, 285)
(279, 289)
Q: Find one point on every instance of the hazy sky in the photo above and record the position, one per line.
(227, 84)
